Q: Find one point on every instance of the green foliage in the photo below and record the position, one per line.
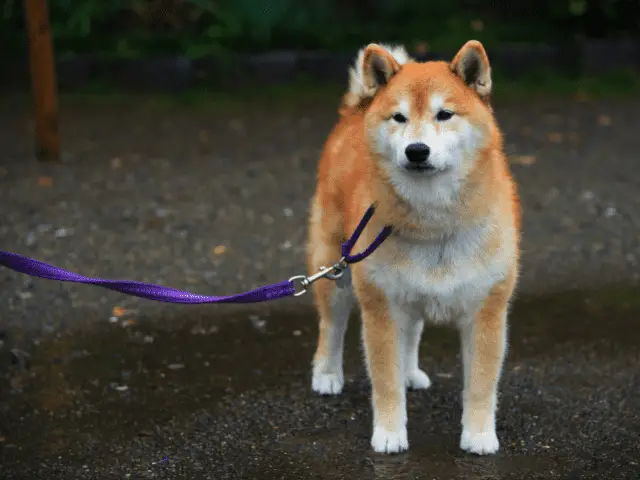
(202, 27)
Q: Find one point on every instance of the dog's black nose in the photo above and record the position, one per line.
(417, 152)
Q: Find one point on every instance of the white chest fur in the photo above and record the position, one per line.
(443, 280)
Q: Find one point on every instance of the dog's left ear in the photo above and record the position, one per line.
(471, 64)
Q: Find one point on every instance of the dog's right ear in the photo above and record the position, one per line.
(378, 66)
(373, 68)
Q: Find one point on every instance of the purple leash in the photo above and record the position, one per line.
(36, 268)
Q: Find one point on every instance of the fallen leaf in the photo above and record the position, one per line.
(219, 250)
(118, 311)
(477, 25)
(523, 159)
(555, 137)
(45, 181)
(604, 120)
(116, 163)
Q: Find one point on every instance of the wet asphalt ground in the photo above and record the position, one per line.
(95, 385)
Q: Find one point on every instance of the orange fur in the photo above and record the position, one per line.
(353, 173)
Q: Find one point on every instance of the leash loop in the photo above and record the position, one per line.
(336, 271)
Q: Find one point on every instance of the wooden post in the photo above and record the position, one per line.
(43, 80)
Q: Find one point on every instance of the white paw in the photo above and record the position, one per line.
(417, 380)
(483, 443)
(384, 441)
(327, 383)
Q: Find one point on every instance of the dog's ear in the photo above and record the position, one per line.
(471, 64)
(378, 66)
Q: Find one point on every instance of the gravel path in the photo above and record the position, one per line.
(215, 201)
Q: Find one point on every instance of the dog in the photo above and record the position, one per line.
(420, 140)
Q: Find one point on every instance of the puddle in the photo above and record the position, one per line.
(219, 396)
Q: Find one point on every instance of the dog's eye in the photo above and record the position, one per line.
(444, 115)
(400, 118)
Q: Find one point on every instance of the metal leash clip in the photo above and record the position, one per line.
(335, 272)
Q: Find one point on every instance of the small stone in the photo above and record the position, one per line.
(31, 239)
(288, 212)
(63, 232)
(526, 160)
(162, 212)
(198, 330)
(286, 245)
(297, 333)
(258, 323)
(25, 295)
(113, 319)
(610, 212)
(148, 339)
(587, 196)
(175, 366)
(121, 388)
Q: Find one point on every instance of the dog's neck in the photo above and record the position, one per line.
(453, 204)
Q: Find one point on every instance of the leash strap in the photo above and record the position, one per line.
(159, 293)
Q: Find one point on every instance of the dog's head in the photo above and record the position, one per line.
(424, 120)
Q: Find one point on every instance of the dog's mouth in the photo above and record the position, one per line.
(424, 169)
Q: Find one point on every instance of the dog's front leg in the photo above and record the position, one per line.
(382, 345)
(484, 343)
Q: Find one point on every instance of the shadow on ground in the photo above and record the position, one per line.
(190, 395)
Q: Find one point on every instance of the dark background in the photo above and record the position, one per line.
(198, 28)
(174, 43)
